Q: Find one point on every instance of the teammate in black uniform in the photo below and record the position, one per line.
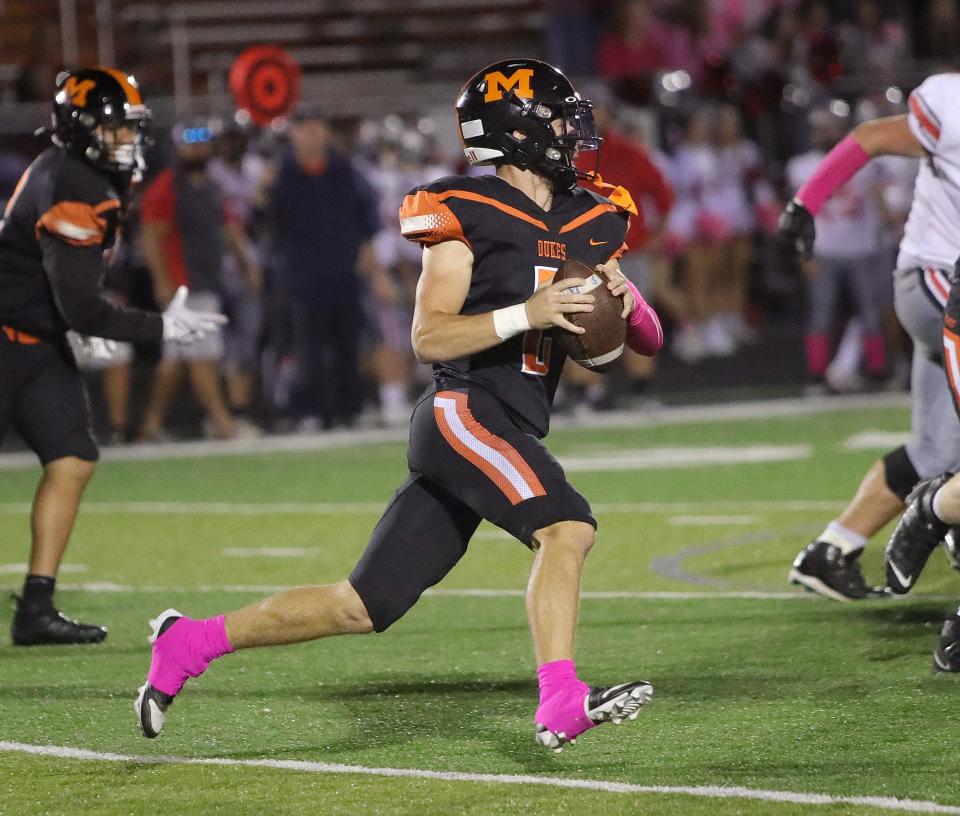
(64, 213)
(485, 305)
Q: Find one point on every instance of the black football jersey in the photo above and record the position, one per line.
(517, 247)
(61, 195)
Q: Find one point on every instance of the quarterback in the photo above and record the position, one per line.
(485, 308)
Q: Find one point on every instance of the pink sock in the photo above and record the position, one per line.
(818, 353)
(562, 696)
(874, 354)
(185, 650)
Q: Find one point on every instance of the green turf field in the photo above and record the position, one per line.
(775, 694)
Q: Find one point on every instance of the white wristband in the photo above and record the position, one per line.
(511, 321)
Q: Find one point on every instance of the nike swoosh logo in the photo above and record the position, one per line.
(597, 243)
(905, 581)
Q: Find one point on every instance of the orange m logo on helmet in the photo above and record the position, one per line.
(77, 90)
(497, 83)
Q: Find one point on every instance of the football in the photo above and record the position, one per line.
(602, 343)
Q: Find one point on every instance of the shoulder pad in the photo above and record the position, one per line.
(82, 207)
(427, 220)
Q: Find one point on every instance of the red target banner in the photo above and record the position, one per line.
(265, 81)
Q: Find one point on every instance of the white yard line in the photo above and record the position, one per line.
(598, 785)
(876, 440)
(661, 458)
(336, 440)
(164, 508)
(710, 521)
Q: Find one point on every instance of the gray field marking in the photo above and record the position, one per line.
(671, 567)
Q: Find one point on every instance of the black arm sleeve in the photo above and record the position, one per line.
(75, 275)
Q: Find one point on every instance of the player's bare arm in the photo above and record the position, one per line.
(890, 136)
(441, 333)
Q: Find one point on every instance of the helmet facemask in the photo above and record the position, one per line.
(549, 137)
(571, 130)
(118, 146)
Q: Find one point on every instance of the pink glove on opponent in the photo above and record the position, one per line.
(836, 169)
(644, 334)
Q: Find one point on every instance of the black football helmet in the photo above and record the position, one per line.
(91, 103)
(526, 113)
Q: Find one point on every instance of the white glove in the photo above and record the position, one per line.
(92, 348)
(181, 324)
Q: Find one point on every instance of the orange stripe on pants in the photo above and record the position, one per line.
(517, 481)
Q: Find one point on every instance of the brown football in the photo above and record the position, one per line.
(599, 347)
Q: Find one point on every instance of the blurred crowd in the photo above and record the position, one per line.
(713, 112)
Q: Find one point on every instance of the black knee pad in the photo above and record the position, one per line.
(899, 473)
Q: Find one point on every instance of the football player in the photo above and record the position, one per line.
(930, 131)
(64, 214)
(485, 310)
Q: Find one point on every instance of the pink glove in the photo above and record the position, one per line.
(644, 334)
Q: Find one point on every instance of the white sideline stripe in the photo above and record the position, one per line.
(710, 521)
(336, 440)
(364, 508)
(876, 440)
(649, 458)
(599, 785)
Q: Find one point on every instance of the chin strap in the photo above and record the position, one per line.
(619, 196)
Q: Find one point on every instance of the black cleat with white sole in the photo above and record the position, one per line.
(918, 533)
(946, 657)
(822, 567)
(151, 704)
(613, 704)
(33, 626)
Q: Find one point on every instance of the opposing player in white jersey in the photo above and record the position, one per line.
(930, 246)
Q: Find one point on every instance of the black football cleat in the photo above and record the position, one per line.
(918, 533)
(613, 704)
(946, 657)
(822, 567)
(151, 704)
(49, 627)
